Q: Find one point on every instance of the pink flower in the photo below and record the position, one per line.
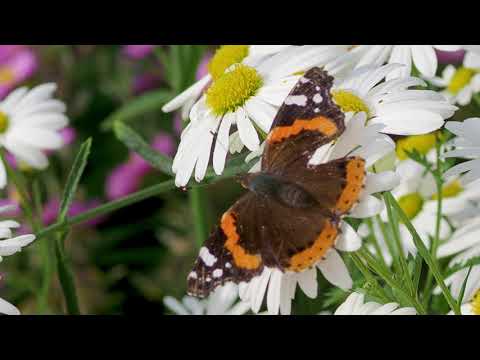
(144, 82)
(51, 208)
(127, 177)
(450, 57)
(137, 52)
(16, 65)
(202, 68)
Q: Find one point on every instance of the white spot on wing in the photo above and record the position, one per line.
(304, 80)
(217, 273)
(317, 88)
(299, 100)
(208, 258)
(193, 275)
(228, 265)
(316, 110)
(317, 99)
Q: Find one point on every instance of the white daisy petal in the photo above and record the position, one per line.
(334, 270)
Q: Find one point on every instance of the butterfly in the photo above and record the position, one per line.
(290, 216)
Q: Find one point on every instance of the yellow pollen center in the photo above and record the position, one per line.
(422, 143)
(476, 303)
(226, 56)
(348, 101)
(233, 89)
(460, 79)
(411, 204)
(3, 122)
(6, 75)
(450, 190)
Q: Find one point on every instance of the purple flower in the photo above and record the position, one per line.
(127, 177)
(137, 52)
(50, 211)
(69, 135)
(450, 57)
(16, 65)
(202, 69)
(144, 82)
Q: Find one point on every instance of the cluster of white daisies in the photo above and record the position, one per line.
(385, 91)
(30, 121)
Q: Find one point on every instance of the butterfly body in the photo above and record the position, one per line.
(289, 218)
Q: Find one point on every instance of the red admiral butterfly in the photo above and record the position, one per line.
(290, 217)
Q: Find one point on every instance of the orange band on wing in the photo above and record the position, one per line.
(321, 124)
(311, 255)
(355, 180)
(240, 257)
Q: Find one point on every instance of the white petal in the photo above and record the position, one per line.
(274, 291)
(425, 59)
(222, 144)
(349, 239)
(409, 122)
(368, 206)
(7, 308)
(307, 280)
(334, 270)
(192, 92)
(247, 131)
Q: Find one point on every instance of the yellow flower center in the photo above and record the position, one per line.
(460, 79)
(422, 143)
(348, 101)
(6, 75)
(226, 56)
(411, 204)
(476, 303)
(3, 122)
(450, 190)
(233, 89)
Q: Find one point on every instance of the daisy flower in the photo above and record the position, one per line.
(460, 83)
(30, 121)
(225, 56)
(403, 111)
(246, 97)
(8, 309)
(355, 305)
(220, 302)
(465, 244)
(17, 64)
(422, 56)
(467, 145)
(359, 139)
(9, 244)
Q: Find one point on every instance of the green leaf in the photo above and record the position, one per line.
(464, 285)
(74, 179)
(150, 101)
(135, 142)
(423, 251)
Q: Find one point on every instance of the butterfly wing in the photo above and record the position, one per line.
(258, 232)
(307, 120)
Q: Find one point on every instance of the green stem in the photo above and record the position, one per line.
(422, 249)
(66, 277)
(141, 195)
(385, 274)
(389, 243)
(377, 289)
(199, 212)
(398, 243)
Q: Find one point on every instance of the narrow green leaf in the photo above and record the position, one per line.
(135, 142)
(464, 285)
(74, 178)
(66, 277)
(150, 101)
(423, 251)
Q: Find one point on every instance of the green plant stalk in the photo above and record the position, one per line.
(134, 198)
(436, 240)
(197, 199)
(379, 291)
(65, 275)
(398, 243)
(389, 243)
(385, 274)
(374, 241)
(422, 249)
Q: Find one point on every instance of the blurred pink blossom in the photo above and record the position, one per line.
(50, 211)
(17, 64)
(127, 177)
(450, 57)
(137, 51)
